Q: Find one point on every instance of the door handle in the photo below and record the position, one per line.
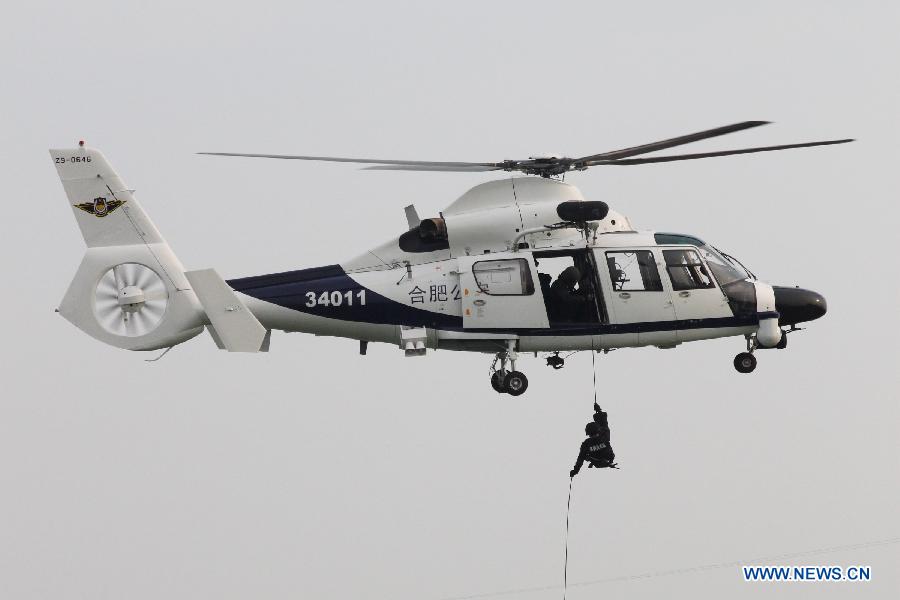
(684, 294)
(625, 295)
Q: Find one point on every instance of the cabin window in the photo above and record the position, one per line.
(633, 271)
(509, 277)
(686, 270)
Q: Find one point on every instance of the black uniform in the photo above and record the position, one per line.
(597, 452)
(596, 449)
(566, 304)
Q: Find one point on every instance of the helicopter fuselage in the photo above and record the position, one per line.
(633, 288)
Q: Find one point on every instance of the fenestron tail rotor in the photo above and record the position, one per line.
(552, 166)
(130, 300)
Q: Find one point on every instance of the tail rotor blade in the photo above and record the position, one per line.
(119, 277)
(144, 277)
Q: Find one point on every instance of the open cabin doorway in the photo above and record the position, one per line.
(570, 287)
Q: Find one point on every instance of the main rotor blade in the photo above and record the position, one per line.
(659, 159)
(372, 161)
(676, 141)
(433, 167)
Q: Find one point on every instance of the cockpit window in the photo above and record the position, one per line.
(725, 268)
(686, 270)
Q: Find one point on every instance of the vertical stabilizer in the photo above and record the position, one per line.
(104, 208)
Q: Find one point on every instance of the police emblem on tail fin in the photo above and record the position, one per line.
(100, 206)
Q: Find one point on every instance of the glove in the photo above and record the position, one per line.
(572, 473)
(597, 408)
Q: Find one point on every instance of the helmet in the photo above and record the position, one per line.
(591, 428)
(570, 275)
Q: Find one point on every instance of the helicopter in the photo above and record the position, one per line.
(523, 264)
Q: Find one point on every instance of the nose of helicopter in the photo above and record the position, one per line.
(796, 305)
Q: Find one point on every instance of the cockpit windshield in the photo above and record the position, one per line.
(725, 268)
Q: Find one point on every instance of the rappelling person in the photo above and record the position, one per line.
(596, 449)
(601, 419)
(567, 303)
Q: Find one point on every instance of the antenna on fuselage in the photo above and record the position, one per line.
(412, 216)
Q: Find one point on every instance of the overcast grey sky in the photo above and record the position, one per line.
(314, 472)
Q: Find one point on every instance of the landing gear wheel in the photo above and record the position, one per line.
(744, 362)
(497, 382)
(516, 383)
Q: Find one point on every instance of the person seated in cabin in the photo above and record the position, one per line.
(617, 275)
(594, 450)
(567, 304)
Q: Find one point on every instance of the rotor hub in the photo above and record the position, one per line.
(131, 298)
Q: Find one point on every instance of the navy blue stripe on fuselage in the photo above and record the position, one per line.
(292, 290)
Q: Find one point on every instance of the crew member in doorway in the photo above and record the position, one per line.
(597, 452)
(566, 303)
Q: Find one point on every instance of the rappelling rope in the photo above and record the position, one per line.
(594, 368)
(571, 479)
(566, 560)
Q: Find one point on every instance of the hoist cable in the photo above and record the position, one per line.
(594, 368)
(566, 560)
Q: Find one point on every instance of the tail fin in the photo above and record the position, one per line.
(130, 290)
(105, 210)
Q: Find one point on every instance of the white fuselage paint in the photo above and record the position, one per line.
(482, 225)
(459, 292)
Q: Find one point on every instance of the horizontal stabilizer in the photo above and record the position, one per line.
(235, 326)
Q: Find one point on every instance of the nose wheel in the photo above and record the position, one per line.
(744, 362)
(508, 381)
